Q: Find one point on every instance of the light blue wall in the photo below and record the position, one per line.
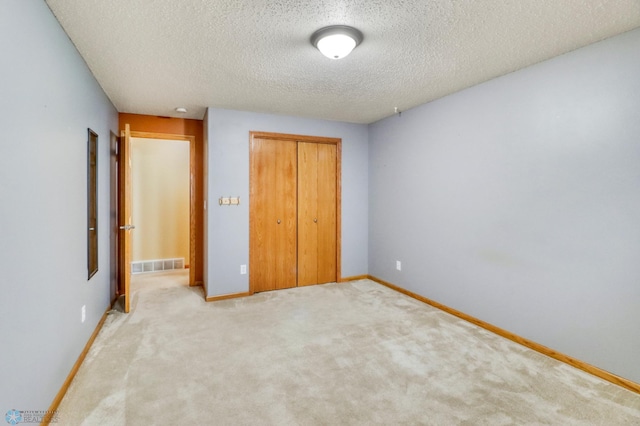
(228, 175)
(48, 99)
(517, 201)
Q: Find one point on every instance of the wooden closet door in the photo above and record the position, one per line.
(307, 213)
(273, 215)
(327, 213)
(317, 191)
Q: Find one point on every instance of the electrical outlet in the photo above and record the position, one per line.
(398, 265)
(243, 269)
(84, 313)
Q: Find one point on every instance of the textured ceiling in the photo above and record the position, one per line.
(151, 56)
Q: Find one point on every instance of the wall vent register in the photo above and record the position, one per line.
(142, 266)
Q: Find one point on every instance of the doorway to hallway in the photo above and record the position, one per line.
(160, 204)
(185, 135)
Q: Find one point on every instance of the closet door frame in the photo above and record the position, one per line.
(312, 139)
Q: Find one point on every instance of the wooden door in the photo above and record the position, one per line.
(307, 213)
(272, 218)
(317, 213)
(126, 213)
(327, 213)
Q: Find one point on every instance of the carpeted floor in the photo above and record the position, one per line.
(337, 354)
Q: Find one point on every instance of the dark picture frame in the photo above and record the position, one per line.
(92, 203)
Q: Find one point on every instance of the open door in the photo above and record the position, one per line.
(125, 216)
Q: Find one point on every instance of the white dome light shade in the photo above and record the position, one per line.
(336, 46)
(337, 41)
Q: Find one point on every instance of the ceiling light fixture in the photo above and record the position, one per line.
(336, 41)
(181, 110)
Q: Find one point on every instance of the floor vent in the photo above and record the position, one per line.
(142, 266)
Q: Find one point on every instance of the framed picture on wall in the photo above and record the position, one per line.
(92, 203)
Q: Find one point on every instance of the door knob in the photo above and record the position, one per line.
(278, 221)
(315, 220)
(127, 227)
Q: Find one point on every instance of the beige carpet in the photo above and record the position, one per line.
(336, 354)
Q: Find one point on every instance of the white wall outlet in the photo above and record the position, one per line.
(83, 312)
(243, 269)
(398, 265)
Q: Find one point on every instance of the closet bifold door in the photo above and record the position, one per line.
(273, 218)
(327, 213)
(317, 189)
(307, 213)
